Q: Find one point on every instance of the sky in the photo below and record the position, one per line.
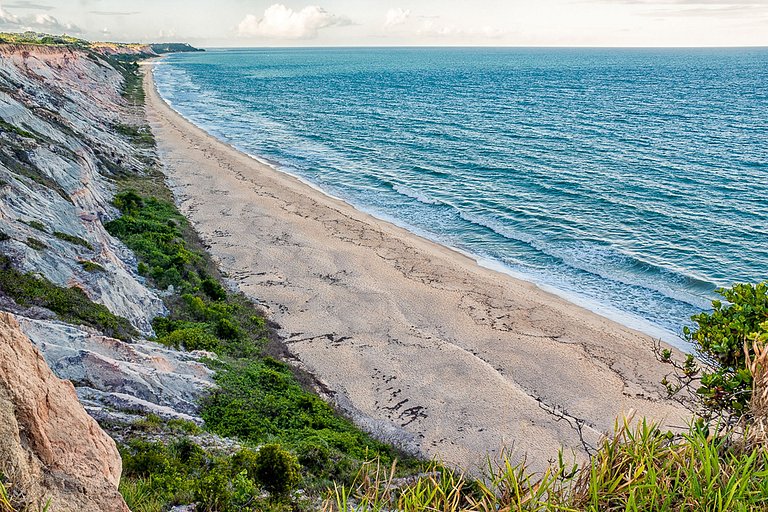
(241, 23)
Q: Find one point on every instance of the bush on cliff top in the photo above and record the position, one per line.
(723, 338)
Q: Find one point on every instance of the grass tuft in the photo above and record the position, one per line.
(36, 244)
(37, 225)
(638, 469)
(90, 266)
(73, 239)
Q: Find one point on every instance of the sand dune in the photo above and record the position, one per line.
(417, 342)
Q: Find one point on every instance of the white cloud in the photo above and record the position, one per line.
(281, 22)
(48, 23)
(7, 18)
(40, 22)
(397, 16)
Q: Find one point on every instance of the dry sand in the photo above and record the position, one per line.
(416, 342)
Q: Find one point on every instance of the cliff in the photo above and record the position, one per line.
(63, 114)
(50, 449)
(69, 129)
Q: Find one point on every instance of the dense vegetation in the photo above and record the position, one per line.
(160, 474)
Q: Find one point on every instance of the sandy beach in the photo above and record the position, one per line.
(416, 342)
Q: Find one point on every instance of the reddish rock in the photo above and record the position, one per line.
(50, 449)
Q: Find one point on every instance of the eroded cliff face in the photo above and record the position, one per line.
(58, 150)
(50, 449)
(68, 131)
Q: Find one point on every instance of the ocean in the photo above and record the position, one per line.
(631, 181)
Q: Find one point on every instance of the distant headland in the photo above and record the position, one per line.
(137, 49)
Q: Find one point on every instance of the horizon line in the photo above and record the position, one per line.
(639, 47)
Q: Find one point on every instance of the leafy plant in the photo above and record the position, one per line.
(190, 338)
(37, 225)
(36, 244)
(277, 470)
(90, 266)
(73, 239)
(721, 338)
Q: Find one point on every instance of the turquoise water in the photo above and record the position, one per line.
(631, 181)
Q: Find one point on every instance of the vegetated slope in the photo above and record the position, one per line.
(72, 135)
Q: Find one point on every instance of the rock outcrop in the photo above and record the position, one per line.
(114, 377)
(51, 450)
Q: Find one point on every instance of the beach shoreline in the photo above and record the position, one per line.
(419, 343)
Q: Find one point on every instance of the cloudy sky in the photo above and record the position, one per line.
(400, 22)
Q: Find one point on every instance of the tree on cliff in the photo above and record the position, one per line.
(730, 342)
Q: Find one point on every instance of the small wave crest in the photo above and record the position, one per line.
(413, 194)
(612, 264)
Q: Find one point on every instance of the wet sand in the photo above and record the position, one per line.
(416, 342)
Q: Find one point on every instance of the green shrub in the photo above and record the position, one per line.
(193, 338)
(36, 244)
(139, 135)
(188, 452)
(4, 236)
(73, 239)
(227, 329)
(7, 127)
(145, 459)
(185, 473)
(37, 225)
(128, 202)
(720, 337)
(213, 289)
(71, 305)
(185, 426)
(90, 266)
(277, 470)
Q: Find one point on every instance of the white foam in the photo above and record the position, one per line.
(610, 312)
